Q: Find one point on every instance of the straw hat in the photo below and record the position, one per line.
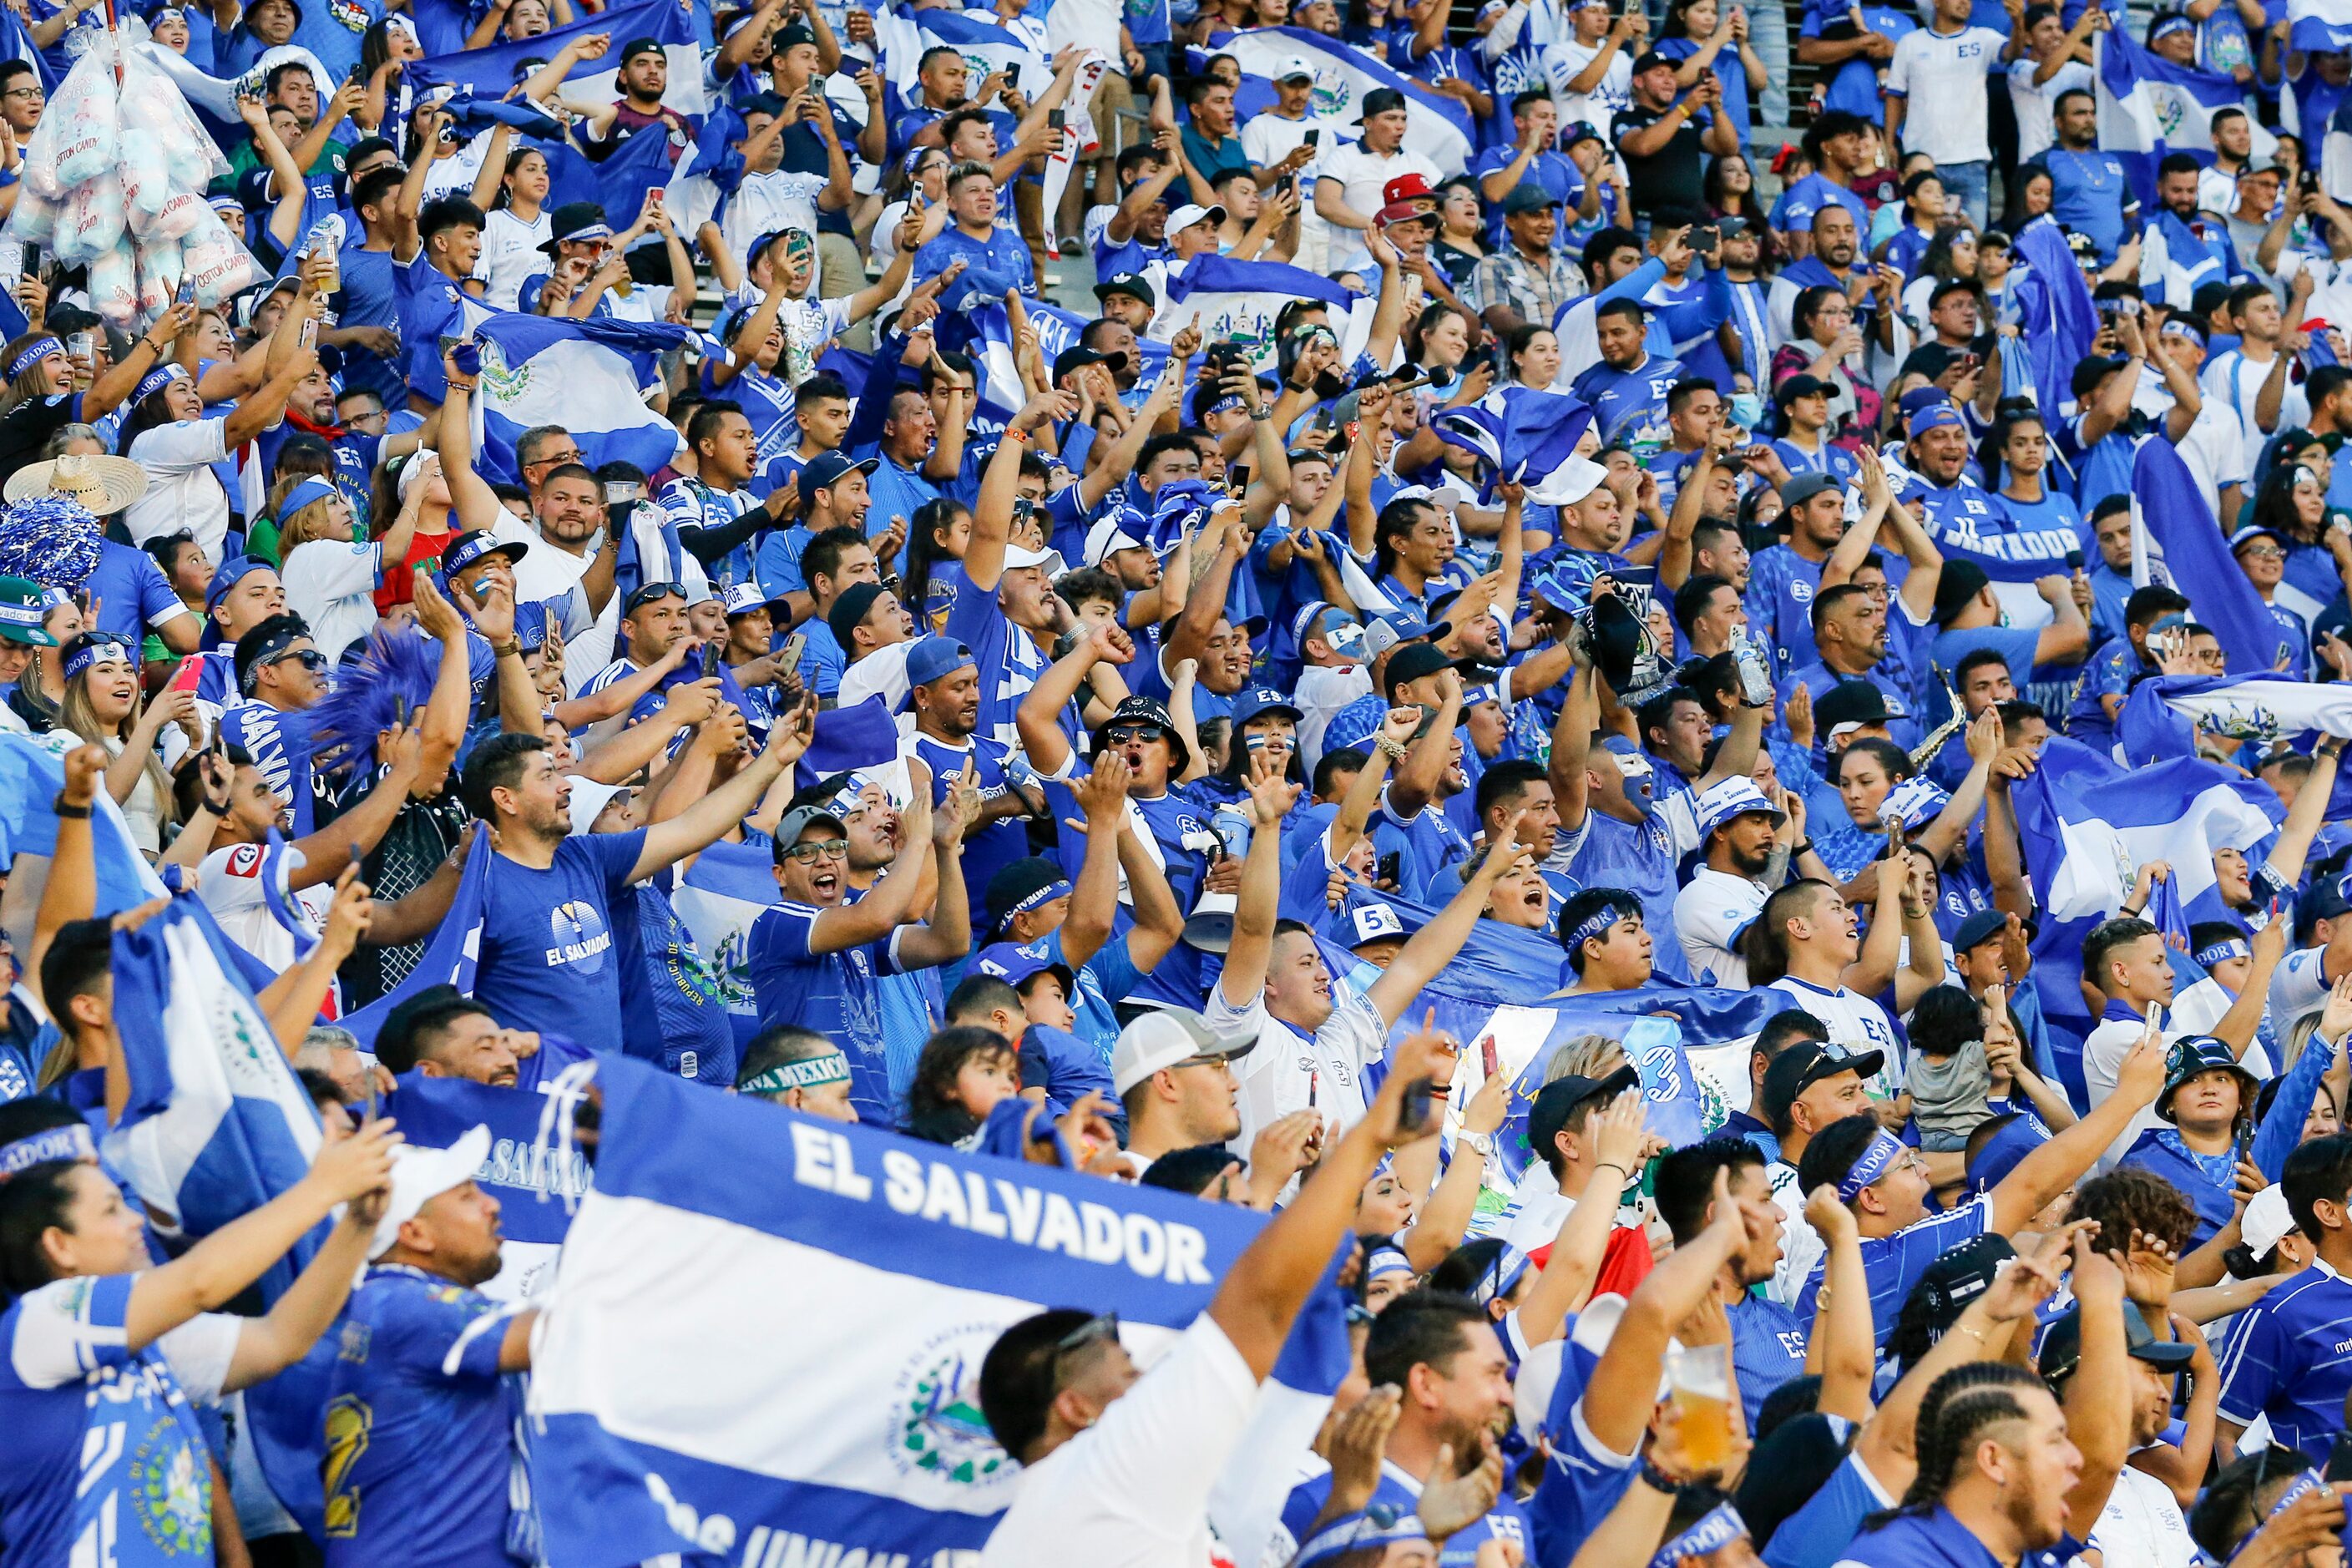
(103, 485)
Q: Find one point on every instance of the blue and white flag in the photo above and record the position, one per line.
(2319, 26)
(1057, 329)
(728, 888)
(495, 69)
(536, 1184)
(452, 956)
(1237, 301)
(888, 1268)
(2148, 107)
(2056, 317)
(1540, 430)
(32, 773)
(1437, 128)
(214, 98)
(2161, 715)
(986, 48)
(216, 1124)
(2087, 824)
(590, 377)
(2176, 543)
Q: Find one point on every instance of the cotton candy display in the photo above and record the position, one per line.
(115, 176)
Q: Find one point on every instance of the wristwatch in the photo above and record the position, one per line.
(1479, 1144)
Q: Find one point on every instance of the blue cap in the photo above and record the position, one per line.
(935, 657)
(305, 494)
(1260, 701)
(476, 544)
(231, 571)
(1015, 965)
(1353, 725)
(1933, 416)
(826, 468)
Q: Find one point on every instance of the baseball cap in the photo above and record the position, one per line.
(1527, 199)
(2268, 1220)
(1406, 187)
(1164, 1039)
(1380, 99)
(1413, 661)
(1020, 887)
(1188, 215)
(231, 571)
(2251, 533)
(419, 1176)
(799, 820)
(1016, 965)
(1959, 584)
(1578, 131)
(1074, 358)
(1933, 416)
(1958, 1277)
(1651, 59)
(747, 596)
(1128, 283)
(1802, 488)
(474, 544)
(1376, 922)
(636, 46)
(1979, 928)
(1730, 799)
(1259, 700)
(23, 603)
(1848, 705)
(934, 658)
(1804, 1064)
(1017, 556)
(856, 603)
(1560, 1097)
(1403, 212)
(1147, 711)
(1109, 536)
(1803, 385)
(827, 469)
(2062, 1347)
(1293, 68)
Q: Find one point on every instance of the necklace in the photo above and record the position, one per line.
(2095, 172)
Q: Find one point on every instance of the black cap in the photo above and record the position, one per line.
(572, 217)
(856, 602)
(1129, 283)
(1148, 710)
(1849, 702)
(1616, 642)
(2093, 369)
(393, 1035)
(1380, 99)
(1651, 59)
(1075, 358)
(1415, 661)
(1804, 1064)
(1013, 883)
(1803, 385)
(1957, 587)
(2062, 1347)
(636, 46)
(1558, 1099)
(2192, 1055)
(1979, 928)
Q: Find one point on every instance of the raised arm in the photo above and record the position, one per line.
(2052, 1167)
(1434, 945)
(1840, 1349)
(727, 805)
(1271, 795)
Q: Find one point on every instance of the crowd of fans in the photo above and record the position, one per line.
(1230, 697)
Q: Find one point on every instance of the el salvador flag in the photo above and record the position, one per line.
(2148, 107)
(985, 46)
(1238, 302)
(1056, 330)
(1437, 128)
(897, 1264)
(491, 71)
(2319, 26)
(2055, 315)
(2161, 716)
(32, 775)
(2176, 543)
(590, 377)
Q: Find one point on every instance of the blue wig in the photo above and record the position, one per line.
(390, 682)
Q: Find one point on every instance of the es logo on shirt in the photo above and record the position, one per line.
(577, 935)
(936, 1426)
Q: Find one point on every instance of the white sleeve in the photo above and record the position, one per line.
(66, 1330)
(199, 1353)
(2299, 985)
(328, 570)
(1160, 1447)
(1898, 71)
(1701, 919)
(182, 448)
(229, 880)
(1223, 1017)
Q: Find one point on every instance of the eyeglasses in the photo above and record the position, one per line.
(1101, 1327)
(823, 849)
(2264, 552)
(25, 92)
(309, 659)
(554, 459)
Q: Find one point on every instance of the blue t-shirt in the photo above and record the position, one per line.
(1642, 860)
(986, 850)
(419, 1447)
(427, 301)
(2289, 1356)
(1794, 212)
(102, 1459)
(1401, 1491)
(546, 952)
(1936, 1538)
(1893, 1263)
(2088, 192)
(1817, 1534)
(1581, 1480)
(831, 993)
(368, 298)
(1780, 600)
(132, 594)
(1630, 405)
(1854, 87)
(1007, 659)
(1768, 1349)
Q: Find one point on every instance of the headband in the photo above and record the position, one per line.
(2223, 952)
(35, 352)
(1715, 1529)
(1377, 1525)
(1884, 1151)
(14, 613)
(266, 653)
(1509, 1264)
(1045, 895)
(96, 646)
(831, 1068)
(72, 1143)
(1595, 924)
(156, 380)
(1387, 1260)
(2175, 23)
(304, 494)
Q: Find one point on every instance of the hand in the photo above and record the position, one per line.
(1452, 1504)
(1102, 794)
(1282, 1148)
(2295, 1534)
(1984, 735)
(724, 733)
(1798, 715)
(1833, 1221)
(2247, 1184)
(789, 737)
(1500, 853)
(85, 765)
(1428, 1055)
(690, 702)
(1490, 1107)
(1271, 795)
(436, 616)
(2148, 1264)
(2025, 1282)
(349, 916)
(354, 1166)
(1355, 1442)
(2097, 1279)
(958, 810)
(1187, 340)
(2334, 1018)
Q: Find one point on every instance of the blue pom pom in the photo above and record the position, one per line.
(50, 539)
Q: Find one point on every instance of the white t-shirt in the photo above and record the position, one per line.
(1133, 1488)
(762, 204)
(230, 883)
(331, 583)
(2298, 986)
(1268, 138)
(1943, 76)
(2236, 382)
(1361, 174)
(510, 253)
(2198, 1007)
(1801, 1244)
(1710, 912)
(2036, 106)
(1280, 1074)
(1609, 97)
(2141, 1525)
(181, 490)
(2104, 1050)
(1856, 1024)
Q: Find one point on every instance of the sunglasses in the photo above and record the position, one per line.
(823, 849)
(309, 659)
(1120, 734)
(1101, 1327)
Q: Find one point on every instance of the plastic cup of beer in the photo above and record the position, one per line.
(1698, 1379)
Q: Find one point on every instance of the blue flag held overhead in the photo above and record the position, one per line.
(2176, 543)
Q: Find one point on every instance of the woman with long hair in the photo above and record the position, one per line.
(936, 537)
(1707, 37)
(2292, 505)
(2031, 196)
(1826, 345)
(1440, 341)
(1729, 190)
(515, 228)
(331, 579)
(1950, 257)
(960, 1077)
(1531, 356)
(102, 704)
(38, 694)
(385, 50)
(168, 434)
(1461, 230)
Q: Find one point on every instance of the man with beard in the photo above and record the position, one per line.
(1784, 578)
(1849, 626)
(280, 675)
(1740, 829)
(568, 562)
(1441, 1355)
(1837, 247)
(944, 685)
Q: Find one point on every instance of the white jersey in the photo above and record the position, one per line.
(1856, 1024)
(1713, 908)
(1291, 1070)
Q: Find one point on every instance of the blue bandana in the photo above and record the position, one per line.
(1875, 1162)
(94, 647)
(71, 1143)
(302, 495)
(35, 352)
(1595, 924)
(1377, 1525)
(1711, 1532)
(156, 380)
(1045, 895)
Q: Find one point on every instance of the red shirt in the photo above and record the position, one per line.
(399, 584)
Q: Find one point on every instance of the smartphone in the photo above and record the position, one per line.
(709, 660)
(791, 652)
(1705, 239)
(191, 671)
(1314, 138)
(1385, 869)
(1288, 182)
(357, 71)
(1420, 1100)
(187, 291)
(2245, 1137)
(1489, 1057)
(1056, 119)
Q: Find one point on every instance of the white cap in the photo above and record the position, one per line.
(1107, 537)
(1051, 560)
(1164, 1036)
(1292, 68)
(1188, 215)
(2267, 1220)
(589, 799)
(1569, 483)
(420, 1175)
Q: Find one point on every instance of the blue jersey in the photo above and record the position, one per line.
(1630, 405)
(279, 745)
(1768, 1349)
(132, 593)
(420, 1444)
(1402, 1492)
(102, 1460)
(547, 959)
(1581, 1480)
(1794, 212)
(1007, 657)
(2289, 1357)
(1779, 599)
(1893, 1263)
(1817, 1534)
(1854, 86)
(2088, 192)
(1644, 860)
(1426, 845)
(986, 850)
(831, 993)
(1937, 1539)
